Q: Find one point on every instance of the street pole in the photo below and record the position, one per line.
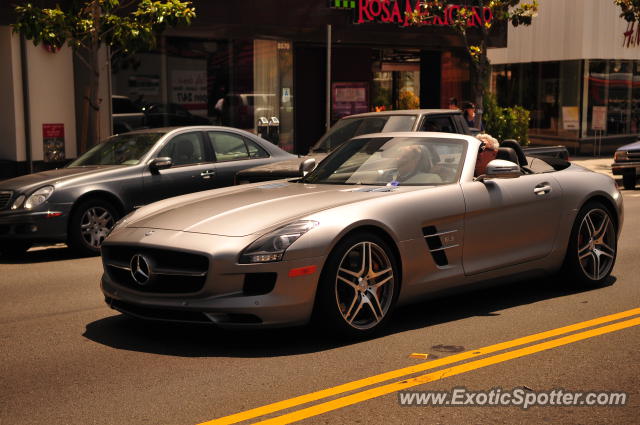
(328, 106)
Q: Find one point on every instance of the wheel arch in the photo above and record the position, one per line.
(98, 194)
(608, 203)
(381, 233)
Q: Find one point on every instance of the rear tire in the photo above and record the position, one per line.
(90, 223)
(358, 287)
(593, 246)
(629, 181)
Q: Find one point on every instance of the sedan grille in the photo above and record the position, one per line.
(5, 198)
(633, 155)
(155, 270)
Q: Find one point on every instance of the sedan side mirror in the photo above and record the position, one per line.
(307, 166)
(162, 163)
(501, 169)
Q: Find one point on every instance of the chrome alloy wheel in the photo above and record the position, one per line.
(95, 224)
(596, 244)
(364, 285)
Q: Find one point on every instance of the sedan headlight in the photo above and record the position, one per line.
(18, 202)
(271, 247)
(620, 156)
(38, 197)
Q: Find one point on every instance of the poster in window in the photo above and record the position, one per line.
(570, 118)
(348, 99)
(53, 142)
(189, 90)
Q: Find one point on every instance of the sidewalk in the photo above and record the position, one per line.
(600, 164)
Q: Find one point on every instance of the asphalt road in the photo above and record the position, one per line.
(65, 358)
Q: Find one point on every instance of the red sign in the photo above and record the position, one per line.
(394, 11)
(52, 131)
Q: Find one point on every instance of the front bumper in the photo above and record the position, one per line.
(48, 223)
(623, 168)
(223, 300)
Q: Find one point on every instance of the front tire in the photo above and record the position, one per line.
(629, 181)
(593, 246)
(358, 287)
(90, 224)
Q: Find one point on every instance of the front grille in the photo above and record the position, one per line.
(633, 155)
(153, 313)
(5, 198)
(169, 271)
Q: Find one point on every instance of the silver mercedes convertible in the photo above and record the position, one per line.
(384, 220)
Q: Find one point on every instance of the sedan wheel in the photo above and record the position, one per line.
(359, 286)
(592, 251)
(90, 224)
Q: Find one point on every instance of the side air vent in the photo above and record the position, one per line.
(436, 245)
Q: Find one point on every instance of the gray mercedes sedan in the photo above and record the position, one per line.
(385, 219)
(79, 204)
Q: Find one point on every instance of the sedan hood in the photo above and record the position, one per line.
(36, 180)
(281, 169)
(244, 210)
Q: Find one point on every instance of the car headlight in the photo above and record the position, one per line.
(271, 247)
(38, 197)
(18, 202)
(620, 156)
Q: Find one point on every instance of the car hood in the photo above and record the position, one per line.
(245, 210)
(288, 168)
(630, 147)
(50, 177)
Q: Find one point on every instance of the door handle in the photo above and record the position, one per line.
(542, 189)
(207, 174)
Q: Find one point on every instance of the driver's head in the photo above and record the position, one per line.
(411, 160)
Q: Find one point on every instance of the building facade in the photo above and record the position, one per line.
(577, 69)
(237, 63)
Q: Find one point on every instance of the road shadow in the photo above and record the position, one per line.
(42, 254)
(184, 340)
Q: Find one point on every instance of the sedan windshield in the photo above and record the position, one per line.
(392, 161)
(124, 149)
(347, 128)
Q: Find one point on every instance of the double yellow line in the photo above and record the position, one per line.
(368, 394)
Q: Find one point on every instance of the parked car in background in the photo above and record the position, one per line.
(80, 203)
(436, 120)
(441, 120)
(626, 163)
(126, 115)
(385, 220)
(171, 114)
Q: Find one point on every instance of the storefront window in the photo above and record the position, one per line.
(223, 82)
(549, 90)
(619, 108)
(396, 79)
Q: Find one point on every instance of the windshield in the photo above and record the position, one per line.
(347, 128)
(125, 149)
(392, 161)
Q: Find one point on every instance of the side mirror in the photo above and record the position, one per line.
(307, 166)
(162, 163)
(501, 169)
